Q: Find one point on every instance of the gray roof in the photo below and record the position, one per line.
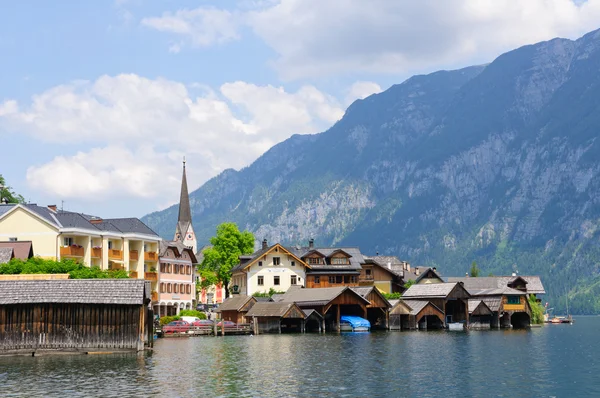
(164, 245)
(534, 283)
(310, 312)
(497, 292)
(6, 254)
(277, 297)
(234, 303)
(4, 208)
(22, 249)
(320, 296)
(386, 263)
(473, 303)
(493, 303)
(433, 270)
(74, 220)
(418, 305)
(84, 291)
(412, 274)
(269, 309)
(127, 225)
(356, 258)
(433, 290)
(365, 291)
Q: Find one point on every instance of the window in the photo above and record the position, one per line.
(514, 300)
(69, 242)
(353, 279)
(12, 239)
(339, 260)
(338, 279)
(176, 288)
(293, 263)
(162, 267)
(276, 260)
(188, 289)
(169, 288)
(260, 263)
(169, 268)
(368, 271)
(276, 280)
(317, 280)
(176, 270)
(261, 280)
(293, 280)
(314, 260)
(332, 280)
(182, 288)
(162, 287)
(189, 270)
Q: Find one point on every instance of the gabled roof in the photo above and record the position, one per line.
(179, 248)
(82, 291)
(6, 254)
(479, 306)
(235, 303)
(418, 305)
(493, 303)
(311, 312)
(534, 283)
(392, 263)
(366, 290)
(387, 267)
(260, 253)
(271, 309)
(317, 297)
(126, 225)
(22, 249)
(428, 271)
(401, 307)
(433, 290)
(336, 251)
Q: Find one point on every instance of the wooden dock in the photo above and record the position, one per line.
(195, 331)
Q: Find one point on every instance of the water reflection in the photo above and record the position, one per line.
(557, 360)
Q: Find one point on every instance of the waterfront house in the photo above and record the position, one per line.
(332, 266)
(177, 287)
(451, 299)
(399, 316)
(480, 314)
(378, 307)
(272, 267)
(378, 272)
(330, 302)
(75, 315)
(270, 317)
(234, 308)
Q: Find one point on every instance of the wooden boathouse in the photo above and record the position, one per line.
(378, 308)
(269, 317)
(234, 309)
(74, 315)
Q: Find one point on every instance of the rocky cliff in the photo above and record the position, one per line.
(496, 163)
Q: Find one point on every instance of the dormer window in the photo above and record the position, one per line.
(276, 260)
(314, 260)
(339, 261)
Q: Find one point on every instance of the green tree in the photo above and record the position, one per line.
(227, 246)
(474, 270)
(537, 310)
(6, 193)
(409, 283)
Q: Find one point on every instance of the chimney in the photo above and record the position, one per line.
(96, 220)
(514, 274)
(52, 207)
(311, 243)
(434, 268)
(264, 244)
(417, 272)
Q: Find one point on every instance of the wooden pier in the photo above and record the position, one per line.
(195, 331)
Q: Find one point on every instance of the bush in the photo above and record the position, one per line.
(197, 314)
(168, 319)
(270, 293)
(537, 310)
(76, 270)
(392, 296)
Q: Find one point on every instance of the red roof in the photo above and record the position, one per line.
(22, 249)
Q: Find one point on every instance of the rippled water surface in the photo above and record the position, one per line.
(553, 361)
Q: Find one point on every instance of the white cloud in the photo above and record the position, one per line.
(138, 129)
(203, 26)
(316, 38)
(360, 90)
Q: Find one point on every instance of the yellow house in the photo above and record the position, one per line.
(273, 267)
(119, 243)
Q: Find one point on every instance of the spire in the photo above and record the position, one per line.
(185, 214)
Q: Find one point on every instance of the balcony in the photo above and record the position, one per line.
(133, 274)
(154, 296)
(114, 254)
(97, 252)
(72, 251)
(133, 255)
(514, 307)
(151, 276)
(150, 256)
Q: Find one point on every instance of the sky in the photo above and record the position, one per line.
(101, 100)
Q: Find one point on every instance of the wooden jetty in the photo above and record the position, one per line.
(195, 331)
(74, 315)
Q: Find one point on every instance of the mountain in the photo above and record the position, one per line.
(498, 164)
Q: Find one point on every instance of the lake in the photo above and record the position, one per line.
(553, 361)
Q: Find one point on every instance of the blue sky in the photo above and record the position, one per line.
(99, 101)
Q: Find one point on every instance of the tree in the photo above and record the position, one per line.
(227, 246)
(6, 193)
(409, 283)
(474, 270)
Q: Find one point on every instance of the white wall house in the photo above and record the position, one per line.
(271, 267)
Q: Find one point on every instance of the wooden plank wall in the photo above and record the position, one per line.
(71, 326)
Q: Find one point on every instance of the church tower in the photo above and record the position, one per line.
(184, 231)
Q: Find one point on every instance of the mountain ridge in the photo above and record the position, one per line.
(496, 163)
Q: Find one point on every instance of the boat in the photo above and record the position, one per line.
(354, 324)
(561, 319)
(456, 326)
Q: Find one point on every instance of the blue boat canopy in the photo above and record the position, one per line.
(355, 321)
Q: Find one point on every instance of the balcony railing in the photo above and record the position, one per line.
(150, 256)
(72, 251)
(514, 307)
(366, 278)
(151, 276)
(133, 255)
(97, 252)
(114, 254)
(154, 296)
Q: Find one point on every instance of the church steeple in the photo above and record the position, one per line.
(184, 231)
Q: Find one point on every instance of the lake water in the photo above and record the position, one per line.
(553, 361)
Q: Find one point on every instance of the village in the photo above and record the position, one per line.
(313, 288)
